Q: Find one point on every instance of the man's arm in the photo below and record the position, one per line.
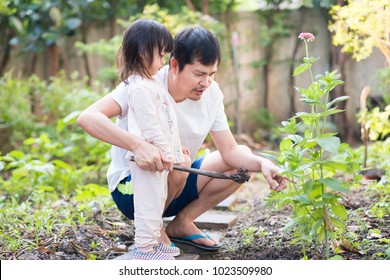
(95, 120)
(238, 156)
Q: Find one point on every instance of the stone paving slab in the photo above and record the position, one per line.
(213, 221)
(227, 204)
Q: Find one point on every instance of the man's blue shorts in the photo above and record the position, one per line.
(125, 202)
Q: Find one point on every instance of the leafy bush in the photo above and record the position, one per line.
(37, 104)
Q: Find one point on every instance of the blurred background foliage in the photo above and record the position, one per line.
(46, 157)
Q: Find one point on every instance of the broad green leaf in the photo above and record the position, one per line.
(60, 125)
(321, 234)
(339, 211)
(312, 101)
(296, 138)
(301, 68)
(310, 59)
(338, 99)
(309, 144)
(317, 225)
(29, 141)
(16, 154)
(302, 91)
(320, 203)
(290, 224)
(302, 198)
(286, 145)
(61, 164)
(330, 134)
(331, 111)
(338, 223)
(329, 196)
(333, 184)
(330, 144)
(333, 166)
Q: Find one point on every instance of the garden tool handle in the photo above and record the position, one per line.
(212, 174)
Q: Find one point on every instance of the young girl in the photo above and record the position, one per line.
(151, 116)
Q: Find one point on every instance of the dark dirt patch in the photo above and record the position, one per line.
(367, 236)
(257, 235)
(102, 237)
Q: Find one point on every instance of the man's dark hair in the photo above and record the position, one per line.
(196, 43)
(140, 40)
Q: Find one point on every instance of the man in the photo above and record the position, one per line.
(198, 103)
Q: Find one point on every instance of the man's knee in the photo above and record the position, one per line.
(177, 179)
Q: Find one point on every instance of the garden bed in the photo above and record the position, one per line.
(257, 235)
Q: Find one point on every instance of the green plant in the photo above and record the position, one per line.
(249, 235)
(361, 25)
(378, 124)
(311, 162)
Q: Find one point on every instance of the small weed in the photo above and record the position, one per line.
(249, 235)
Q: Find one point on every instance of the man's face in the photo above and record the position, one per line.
(192, 81)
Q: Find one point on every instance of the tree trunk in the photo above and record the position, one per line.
(268, 55)
(5, 37)
(53, 60)
(205, 7)
(84, 31)
(191, 5)
(338, 61)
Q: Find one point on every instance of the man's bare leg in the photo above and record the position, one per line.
(211, 192)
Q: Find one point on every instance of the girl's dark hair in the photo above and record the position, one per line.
(140, 40)
(196, 43)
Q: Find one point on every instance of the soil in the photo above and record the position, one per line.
(108, 235)
(368, 235)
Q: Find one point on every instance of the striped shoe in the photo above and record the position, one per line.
(155, 255)
(168, 250)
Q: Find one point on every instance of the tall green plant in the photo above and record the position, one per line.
(311, 161)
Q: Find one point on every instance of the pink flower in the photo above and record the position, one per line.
(307, 37)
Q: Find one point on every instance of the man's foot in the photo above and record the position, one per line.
(155, 255)
(189, 241)
(178, 229)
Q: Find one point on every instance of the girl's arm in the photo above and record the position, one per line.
(96, 120)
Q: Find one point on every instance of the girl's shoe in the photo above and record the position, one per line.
(155, 255)
(168, 250)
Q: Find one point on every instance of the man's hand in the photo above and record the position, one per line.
(272, 173)
(150, 157)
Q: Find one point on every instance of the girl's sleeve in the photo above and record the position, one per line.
(144, 104)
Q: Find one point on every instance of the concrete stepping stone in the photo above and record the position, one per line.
(227, 204)
(213, 221)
